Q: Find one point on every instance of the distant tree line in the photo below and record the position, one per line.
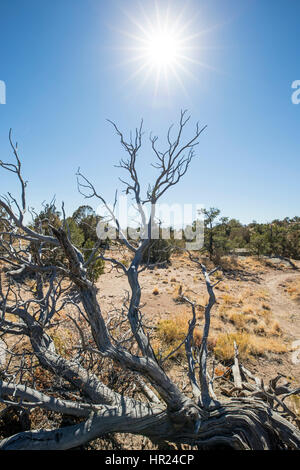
(222, 236)
(279, 238)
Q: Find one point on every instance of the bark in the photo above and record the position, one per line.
(241, 424)
(252, 421)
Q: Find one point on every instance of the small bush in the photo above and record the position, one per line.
(96, 268)
(158, 252)
(172, 331)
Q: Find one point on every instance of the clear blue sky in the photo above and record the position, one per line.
(64, 65)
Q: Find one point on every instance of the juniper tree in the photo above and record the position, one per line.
(252, 419)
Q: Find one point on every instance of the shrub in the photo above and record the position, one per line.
(95, 268)
(173, 330)
(158, 252)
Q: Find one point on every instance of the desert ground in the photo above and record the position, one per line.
(257, 300)
(257, 305)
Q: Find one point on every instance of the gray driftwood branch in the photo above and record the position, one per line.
(163, 411)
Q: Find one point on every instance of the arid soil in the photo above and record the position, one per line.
(249, 285)
(257, 305)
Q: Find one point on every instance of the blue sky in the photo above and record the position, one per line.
(67, 70)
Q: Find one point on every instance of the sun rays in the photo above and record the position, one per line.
(162, 49)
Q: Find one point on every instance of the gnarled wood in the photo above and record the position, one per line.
(208, 422)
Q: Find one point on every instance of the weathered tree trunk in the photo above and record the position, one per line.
(169, 414)
(241, 424)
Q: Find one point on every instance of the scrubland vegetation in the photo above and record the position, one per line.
(246, 315)
(242, 315)
(138, 343)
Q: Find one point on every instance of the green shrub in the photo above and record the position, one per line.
(95, 268)
(158, 252)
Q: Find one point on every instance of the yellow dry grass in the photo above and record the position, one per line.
(249, 345)
(293, 289)
(172, 331)
(295, 399)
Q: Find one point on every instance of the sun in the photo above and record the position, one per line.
(161, 47)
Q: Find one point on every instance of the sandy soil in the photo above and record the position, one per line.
(247, 276)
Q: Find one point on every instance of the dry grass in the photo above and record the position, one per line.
(238, 320)
(247, 309)
(172, 331)
(262, 294)
(228, 299)
(295, 400)
(249, 345)
(260, 328)
(174, 328)
(266, 306)
(177, 292)
(275, 329)
(252, 263)
(224, 349)
(293, 289)
(247, 312)
(246, 319)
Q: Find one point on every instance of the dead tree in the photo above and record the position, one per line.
(253, 419)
